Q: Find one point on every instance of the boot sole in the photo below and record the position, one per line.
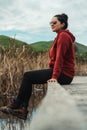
(14, 113)
(19, 115)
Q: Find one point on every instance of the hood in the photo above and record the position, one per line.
(69, 33)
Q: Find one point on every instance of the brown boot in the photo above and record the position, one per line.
(20, 112)
(15, 109)
(13, 105)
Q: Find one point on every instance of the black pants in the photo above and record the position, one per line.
(36, 77)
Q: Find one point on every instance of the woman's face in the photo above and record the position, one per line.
(56, 25)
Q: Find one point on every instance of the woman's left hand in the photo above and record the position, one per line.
(52, 80)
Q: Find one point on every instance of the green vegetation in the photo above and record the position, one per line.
(81, 48)
(81, 52)
(41, 46)
(45, 45)
(7, 42)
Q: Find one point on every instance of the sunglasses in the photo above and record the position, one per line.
(53, 22)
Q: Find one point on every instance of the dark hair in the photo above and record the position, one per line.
(63, 18)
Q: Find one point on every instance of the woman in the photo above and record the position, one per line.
(61, 67)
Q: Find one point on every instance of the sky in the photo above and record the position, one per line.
(28, 20)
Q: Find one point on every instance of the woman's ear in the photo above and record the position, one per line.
(63, 24)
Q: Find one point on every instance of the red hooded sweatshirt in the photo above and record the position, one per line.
(62, 55)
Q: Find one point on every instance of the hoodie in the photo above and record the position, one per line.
(62, 55)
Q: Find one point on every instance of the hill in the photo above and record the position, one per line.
(45, 45)
(37, 47)
(81, 48)
(7, 41)
(41, 46)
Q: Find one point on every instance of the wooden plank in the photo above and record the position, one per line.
(58, 111)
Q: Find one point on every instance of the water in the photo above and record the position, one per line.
(57, 111)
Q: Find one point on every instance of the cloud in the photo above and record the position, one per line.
(34, 16)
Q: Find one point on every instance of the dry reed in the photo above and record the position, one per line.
(15, 61)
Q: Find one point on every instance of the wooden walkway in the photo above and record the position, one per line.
(64, 107)
(78, 90)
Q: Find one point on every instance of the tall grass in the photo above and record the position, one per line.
(15, 61)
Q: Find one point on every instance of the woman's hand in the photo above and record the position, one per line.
(52, 80)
